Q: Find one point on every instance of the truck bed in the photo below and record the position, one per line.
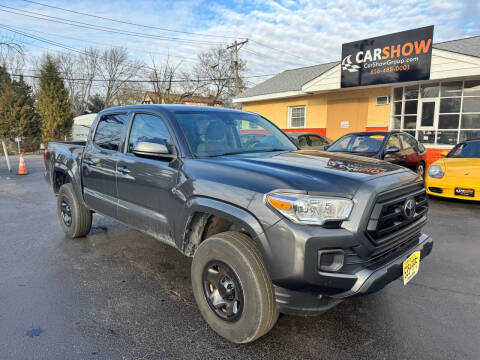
(63, 158)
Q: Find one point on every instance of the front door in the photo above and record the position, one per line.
(100, 161)
(394, 157)
(146, 195)
(428, 118)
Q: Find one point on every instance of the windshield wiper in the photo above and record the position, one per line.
(271, 150)
(246, 152)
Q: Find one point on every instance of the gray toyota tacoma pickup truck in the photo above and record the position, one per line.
(271, 228)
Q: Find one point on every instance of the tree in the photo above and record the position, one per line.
(27, 121)
(117, 70)
(216, 67)
(53, 102)
(96, 104)
(170, 85)
(18, 116)
(129, 96)
(79, 71)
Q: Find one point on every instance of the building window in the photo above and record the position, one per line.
(296, 116)
(438, 113)
(383, 100)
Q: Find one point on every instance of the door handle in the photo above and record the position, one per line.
(123, 170)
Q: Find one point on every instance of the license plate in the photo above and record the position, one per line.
(465, 192)
(410, 267)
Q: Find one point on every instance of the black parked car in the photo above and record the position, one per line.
(393, 146)
(309, 140)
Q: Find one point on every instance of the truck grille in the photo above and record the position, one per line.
(398, 215)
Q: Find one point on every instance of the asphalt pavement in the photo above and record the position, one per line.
(119, 294)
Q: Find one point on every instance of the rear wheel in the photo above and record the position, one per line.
(232, 287)
(75, 218)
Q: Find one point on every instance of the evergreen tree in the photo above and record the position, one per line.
(17, 109)
(26, 120)
(96, 104)
(5, 97)
(53, 103)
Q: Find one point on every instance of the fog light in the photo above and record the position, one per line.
(330, 260)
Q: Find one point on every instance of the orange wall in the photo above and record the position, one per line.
(433, 155)
(276, 110)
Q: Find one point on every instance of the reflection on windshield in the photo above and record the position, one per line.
(352, 166)
(358, 144)
(216, 133)
(466, 150)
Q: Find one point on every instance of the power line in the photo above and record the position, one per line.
(142, 80)
(271, 57)
(129, 23)
(97, 80)
(103, 44)
(80, 24)
(273, 48)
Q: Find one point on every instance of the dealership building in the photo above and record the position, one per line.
(432, 93)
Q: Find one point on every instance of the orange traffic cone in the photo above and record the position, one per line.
(22, 169)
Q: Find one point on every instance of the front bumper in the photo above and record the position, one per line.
(366, 280)
(446, 188)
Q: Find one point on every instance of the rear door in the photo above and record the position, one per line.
(146, 194)
(100, 161)
(412, 158)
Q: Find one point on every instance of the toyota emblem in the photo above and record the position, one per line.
(409, 208)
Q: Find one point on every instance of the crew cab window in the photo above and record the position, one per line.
(317, 140)
(149, 128)
(109, 133)
(393, 141)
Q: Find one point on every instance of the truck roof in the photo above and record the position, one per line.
(170, 107)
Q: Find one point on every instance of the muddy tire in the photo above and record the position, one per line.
(232, 287)
(74, 217)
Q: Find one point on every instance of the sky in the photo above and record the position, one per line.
(282, 34)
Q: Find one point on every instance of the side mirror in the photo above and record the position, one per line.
(155, 149)
(326, 147)
(391, 150)
(444, 153)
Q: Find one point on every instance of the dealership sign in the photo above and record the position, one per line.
(403, 56)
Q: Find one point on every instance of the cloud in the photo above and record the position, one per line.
(283, 33)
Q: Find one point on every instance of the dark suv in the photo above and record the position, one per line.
(393, 146)
(270, 227)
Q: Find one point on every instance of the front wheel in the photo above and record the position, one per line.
(75, 218)
(420, 170)
(232, 287)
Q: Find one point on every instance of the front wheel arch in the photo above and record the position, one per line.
(199, 211)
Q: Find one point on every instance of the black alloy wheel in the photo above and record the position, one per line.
(222, 290)
(66, 212)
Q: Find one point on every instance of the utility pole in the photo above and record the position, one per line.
(235, 47)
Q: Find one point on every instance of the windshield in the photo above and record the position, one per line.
(358, 143)
(466, 150)
(215, 133)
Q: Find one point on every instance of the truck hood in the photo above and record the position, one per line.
(309, 170)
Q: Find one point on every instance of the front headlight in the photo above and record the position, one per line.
(311, 210)
(436, 172)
